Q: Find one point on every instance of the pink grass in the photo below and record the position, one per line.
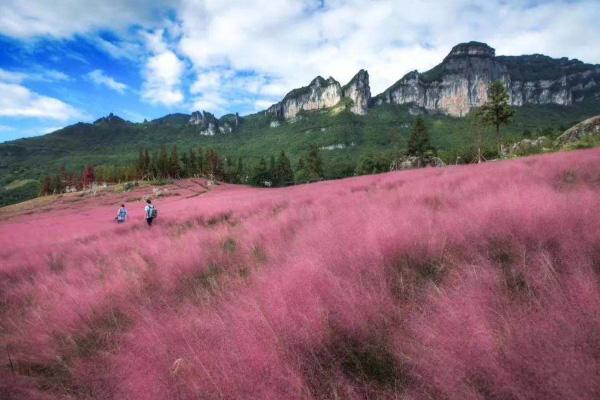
(475, 282)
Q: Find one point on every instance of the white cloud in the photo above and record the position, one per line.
(162, 73)
(36, 74)
(65, 18)
(122, 49)
(100, 78)
(19, 101)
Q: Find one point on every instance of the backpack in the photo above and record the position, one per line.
(153, 212)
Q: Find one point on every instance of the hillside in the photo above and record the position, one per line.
(476, 281)
(550, 95)
(384, 130)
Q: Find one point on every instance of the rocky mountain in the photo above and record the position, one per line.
(111, 119)
(324, 93)
(209, 125)
(359, 92)
(460, 82)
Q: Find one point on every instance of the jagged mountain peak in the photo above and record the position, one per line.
(324, 93)
(110, 119)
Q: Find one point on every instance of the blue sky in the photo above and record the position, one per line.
(64, 61)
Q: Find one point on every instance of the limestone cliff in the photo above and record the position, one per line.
(209, 125)
(460, 82)
(324, 93)
(359, 92)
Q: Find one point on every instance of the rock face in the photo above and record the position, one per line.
(209, 125)
(460, 82)
(359, 92)
(589, 127)
(324, 93)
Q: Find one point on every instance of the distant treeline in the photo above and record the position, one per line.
(196, 162)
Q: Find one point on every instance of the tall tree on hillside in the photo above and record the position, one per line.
(185, 166)
(260, 174)
(314, 163)
(163, 162)
(283, 171)
(272, 172)
(46, 187)
(147, 164)
(140, 166)
(201, 162)
(213, 164)
(174, 164)
(193, 162)
(419, 144)
(496, 111)
(240, 171)
(88, 177)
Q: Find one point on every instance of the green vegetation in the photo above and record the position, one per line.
(418, 142)
(113, 147)
(496, 111)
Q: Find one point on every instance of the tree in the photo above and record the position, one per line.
(147, 164)
(283, 171)
(174, 170)
(373, 164)
(496, 111)
(193, 163)
(201, 162)
(88, 177)
(240, 171)
(418, 142)
(272, 173)
(46, 187)
(185, 162)
(314, 163)
(213, 164)
(260, 174)
(140, 166)
(162, 163)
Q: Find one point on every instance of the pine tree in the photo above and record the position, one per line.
(314, 163)
(185, 163)
(283, 171)
(213, 167)
(201, 162)
(163, 163)
(418, 142)
(147, 165)
(140, 165)
(240, 171)
(272, 173)
(496, 111)
(174, 165)
(261, 173)
(193, 163)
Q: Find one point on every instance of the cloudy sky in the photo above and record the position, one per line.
(64, 61)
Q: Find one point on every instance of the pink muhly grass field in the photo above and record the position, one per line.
(474, 282)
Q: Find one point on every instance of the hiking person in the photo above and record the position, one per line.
(151, 212)
(121, 214)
